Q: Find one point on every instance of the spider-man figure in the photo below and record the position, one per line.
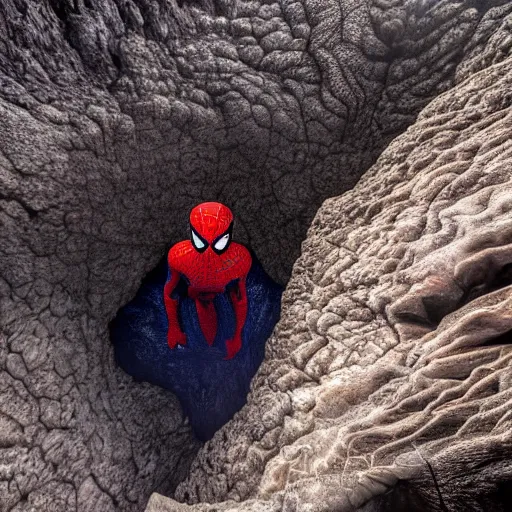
(215, 306)
(210, 262)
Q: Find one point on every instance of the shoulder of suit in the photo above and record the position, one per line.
(177, 252)
(243, 255)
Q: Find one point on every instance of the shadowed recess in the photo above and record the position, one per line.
(210, 388)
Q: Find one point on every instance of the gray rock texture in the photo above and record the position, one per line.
(117, 116)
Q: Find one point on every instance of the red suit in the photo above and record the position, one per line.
(209, 261)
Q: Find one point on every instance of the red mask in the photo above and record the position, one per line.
(211, 224)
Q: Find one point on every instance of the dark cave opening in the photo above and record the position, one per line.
(211, 388)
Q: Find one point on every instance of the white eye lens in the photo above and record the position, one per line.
(198, 244)
(222, 242)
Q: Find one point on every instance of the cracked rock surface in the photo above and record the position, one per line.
(117, 116)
